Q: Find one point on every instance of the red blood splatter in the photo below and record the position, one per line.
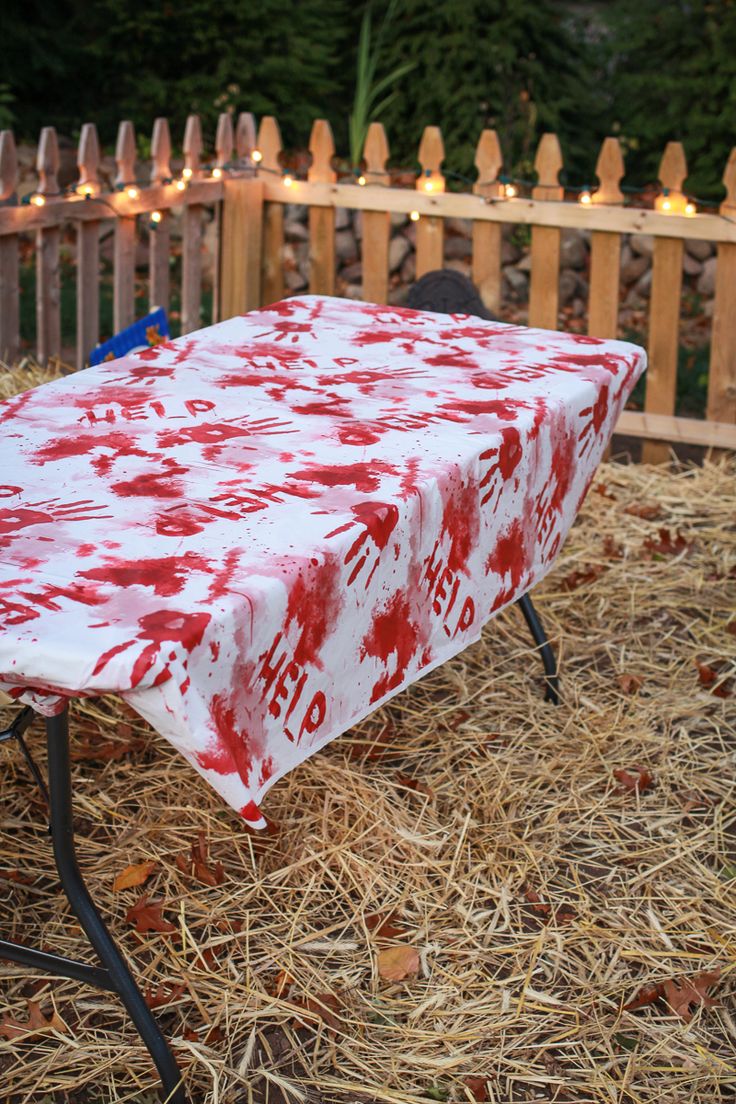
(223, 576)
(315, 600)
(363, 476)
(392, 632)
(250, 811)
(167, 575)
(453, 358)
(159, 627)
(506, 410)
(461, 522)
(509, 561)
(154, 484)
(233, 751)
(360, 434)
(331, 407)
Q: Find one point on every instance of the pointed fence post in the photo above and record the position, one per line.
(88, 250)
(159, 239)
(48, 290)
(487, 236)
(241, 229)
(376, 224)
(9, 272)
(224, 144)
(123, 301)
(269, 147)
(664, 308)
(191, 251)
(430, 228)
(605, 248)
(722, 374)
(544, 293)
(321, 219)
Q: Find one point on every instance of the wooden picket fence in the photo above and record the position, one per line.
(247, 188)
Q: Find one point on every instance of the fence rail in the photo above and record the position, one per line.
(245, 187)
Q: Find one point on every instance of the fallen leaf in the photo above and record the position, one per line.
(214, 1034)
(414, 784)
(630, 683)
(634, 783)
(648, 994)
(197, 863)
(692, 800)
(382, 925)
(578, 578)
(322, 1006)
(15, 876)
(397, 963)
(374, 746)
(460, 717)
(146, 916)
(36, 1024)
(281, 985)
(646, 510)
(101, 751)
(603, 490)
(562, 913)
(679, 993)
(134, 876)
(708, 676)
(478, 1088)
(166, 993)
(731, 627)
(667, 545)
(612, 549)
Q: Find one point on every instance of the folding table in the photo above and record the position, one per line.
(259, 533)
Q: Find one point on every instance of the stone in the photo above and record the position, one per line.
(398, 296)
(691, 266)
(707, 281)
(353, 291)
(517, 283)
(398, 250)
(634, 268)
(643, 285)
(573, 250)
(352, 273)
(294, 280)
(642, 244)
(569, 286)
(462, 227)
(457, 248)
(346, 247)
(295, 231)
(578, 308)
(410, 233)
(398, 219)
(525, 264)
(700, 250)
(460, 266)
(342, 218)
(510, 252)
(358, 224)
(408, 270)
(295, 212)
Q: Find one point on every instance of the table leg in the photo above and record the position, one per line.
(114, 974)
(551, 676)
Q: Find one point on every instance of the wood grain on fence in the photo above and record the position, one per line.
(376, 224)
(487, 236)
(664, 309)
(88, 250)
(123, 295)
(722, 373)
(159, 239)
(191, 244)
(544, 291)
(269, 147)
(431, 182)
(605, 248)
(321, 220)
(48, 287)
(224, 147)
(9, 273)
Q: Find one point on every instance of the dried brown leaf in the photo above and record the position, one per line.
(133, 876)
(398, 962)
(639, 782)
(146, 916)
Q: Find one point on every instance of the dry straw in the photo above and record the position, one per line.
(467, 820)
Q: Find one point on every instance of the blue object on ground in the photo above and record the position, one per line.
(148, 331)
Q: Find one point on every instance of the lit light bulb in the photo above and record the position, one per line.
(85, 190)
(288, 180)
(187, 174)
(428, 185)
(38, 200)
(361, 180)
(181, 185)
(217, 172)
(414, 216)
(690, 208)
(510, 191)
(666, 205)
(585, 196)
(256, 156)
(132, 191)
(155, 216)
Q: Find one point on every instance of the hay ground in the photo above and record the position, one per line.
(485, 828)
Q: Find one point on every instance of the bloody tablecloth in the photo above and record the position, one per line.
(258, 533)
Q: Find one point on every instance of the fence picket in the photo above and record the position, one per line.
(9, 275)
(48, 292)
(487, 235)
(191, 261)
(245, 137)
(123, 302)
(88, 250)
(430, 228)
(722, 374)
(376, 224)
(269, 147)
(544, 292)
(224, 144)
(159, 238)
(605, 248)
(664, 309)
(321, 219)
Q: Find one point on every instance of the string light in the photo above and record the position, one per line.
(509, 191)
(690, 208)
(217, 172)
(361, 180)
(585, 196)
(132, 191)
(155, 217)
(414, 216)
(187, 174)
(287, 180)
(256, 156)
(38, 200)
(181, 185)
(86, 190)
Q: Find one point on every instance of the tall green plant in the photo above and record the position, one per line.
(367, 104)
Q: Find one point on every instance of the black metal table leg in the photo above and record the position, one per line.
(551, 676)
(114, 974)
